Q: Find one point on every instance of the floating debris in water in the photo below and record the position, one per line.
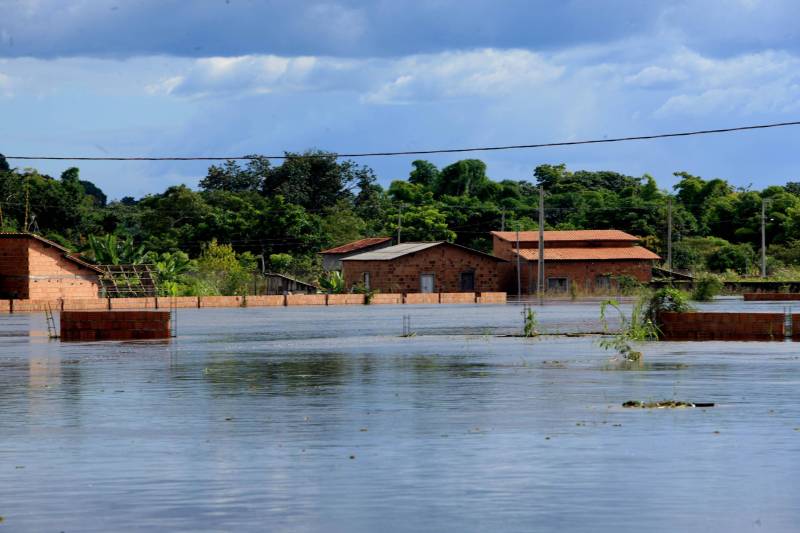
(665, 404)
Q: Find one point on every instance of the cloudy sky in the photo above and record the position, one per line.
(230, 77)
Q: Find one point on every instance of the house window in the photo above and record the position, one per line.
(366, 280)
(468, 281)
(557, 284)
(602, 283)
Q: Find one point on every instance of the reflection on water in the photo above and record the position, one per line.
(326, 420)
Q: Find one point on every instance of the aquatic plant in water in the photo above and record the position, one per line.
(637, 327)
(530, 324)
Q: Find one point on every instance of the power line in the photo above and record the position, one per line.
(416, 152)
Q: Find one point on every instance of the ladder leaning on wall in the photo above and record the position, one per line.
(52, 332)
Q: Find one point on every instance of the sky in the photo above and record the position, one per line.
(236, 77)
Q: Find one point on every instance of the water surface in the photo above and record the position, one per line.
(315, 419)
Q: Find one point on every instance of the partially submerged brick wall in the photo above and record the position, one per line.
(194, 302)
(771, 296)
(722, 326)
(114, 325)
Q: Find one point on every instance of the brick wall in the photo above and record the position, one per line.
(14, 268)
(51, 275)
(114, 325)
(722, 326)
(446, 263)
(771, 296)
(346, 299)
(272, 300)
(584, 273)
(305, 299)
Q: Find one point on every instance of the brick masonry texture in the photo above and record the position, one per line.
(722, 326)
(273, 300)
(305, 299)
(191, 302)
(31, 270)
(114, 325)
(386, 299)
(771, 296)
(582, 273)
(446, 263)
(346, 299)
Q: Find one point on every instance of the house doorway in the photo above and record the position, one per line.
(426, 283)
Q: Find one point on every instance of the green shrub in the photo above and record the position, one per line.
(705, 288)
(667, 299)
(737, 257)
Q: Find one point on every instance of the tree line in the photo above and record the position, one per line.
(258, 214)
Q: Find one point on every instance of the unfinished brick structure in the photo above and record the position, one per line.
(424, 267)
(32, 267)
(584, 260)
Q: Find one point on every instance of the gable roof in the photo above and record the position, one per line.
(47, 242)
(568, 235)
(408, 248)
(590, 254)
(356, 245)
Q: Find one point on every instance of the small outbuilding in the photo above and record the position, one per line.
(332, 258)
(583, 260)
(35, 268)
(423, 267)
(282, 284)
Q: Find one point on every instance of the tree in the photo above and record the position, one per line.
(737, 257)
(230, 177)
(110, 250)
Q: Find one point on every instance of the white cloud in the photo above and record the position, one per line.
(484, 73)
(655, 76)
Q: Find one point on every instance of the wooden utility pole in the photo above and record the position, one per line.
(519, 272)
(399, 223)
(763, 238)
(540, 286)
(27, 197)
(503, 221)
(669, 235)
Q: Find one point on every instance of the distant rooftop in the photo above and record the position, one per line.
(568, 235)
(357, 245)
(399, 250)
(590, 254)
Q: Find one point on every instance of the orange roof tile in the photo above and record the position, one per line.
(568, 235)
(356, 245)
(590, 254)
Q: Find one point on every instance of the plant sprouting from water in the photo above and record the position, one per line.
(530, 326)
(638, 327)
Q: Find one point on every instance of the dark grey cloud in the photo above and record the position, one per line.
(354, 28)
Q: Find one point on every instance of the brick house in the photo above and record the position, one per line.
(32, 267)
(332, 258)
(586, 260)
(424, 267)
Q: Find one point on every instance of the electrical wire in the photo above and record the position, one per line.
(287, 155)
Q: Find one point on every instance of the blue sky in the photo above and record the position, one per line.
(208, 77)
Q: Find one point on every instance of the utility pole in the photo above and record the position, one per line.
(27, 197)
(669, 236)
(399, 223)
(540, 286)
(763, 238)
(503, 221)
(519, 272)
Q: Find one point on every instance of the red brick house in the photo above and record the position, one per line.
(586, 260)
(32, 267)
(332, 258)
(424, 267)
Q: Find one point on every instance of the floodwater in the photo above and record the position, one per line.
(325, 419)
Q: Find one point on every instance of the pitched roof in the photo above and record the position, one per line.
(356, 245)
(568, 235)
(47, 242)
(407, 248)
(590, 254)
